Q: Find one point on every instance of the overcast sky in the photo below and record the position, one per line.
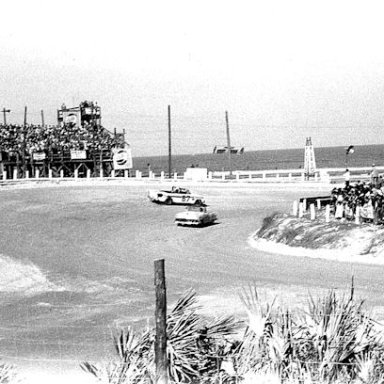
(283, 70)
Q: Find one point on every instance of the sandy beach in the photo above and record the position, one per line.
(79, 260)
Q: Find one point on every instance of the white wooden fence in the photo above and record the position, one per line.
(324, 175)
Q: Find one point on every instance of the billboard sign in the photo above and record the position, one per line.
(78, 155)
(72, 117)
(39, 156)
(122, 158)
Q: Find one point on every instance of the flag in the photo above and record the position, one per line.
(350, 149)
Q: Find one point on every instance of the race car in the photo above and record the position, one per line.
(195, 217)
(175, 195)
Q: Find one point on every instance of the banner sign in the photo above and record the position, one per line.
(72, 117)
(122, 158)
(77, 155)
(39, 156)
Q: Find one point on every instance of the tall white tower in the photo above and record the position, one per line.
(309, 158)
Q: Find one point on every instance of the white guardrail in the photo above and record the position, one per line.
(327, 175)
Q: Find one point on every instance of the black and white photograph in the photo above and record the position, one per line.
(191, 192)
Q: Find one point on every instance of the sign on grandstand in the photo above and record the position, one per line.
(39, 156)
(72, 117)
(122, 158)
(78, 155)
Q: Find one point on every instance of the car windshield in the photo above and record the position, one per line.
(179, 190)
(196, 209)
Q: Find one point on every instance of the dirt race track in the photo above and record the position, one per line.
(78, 259)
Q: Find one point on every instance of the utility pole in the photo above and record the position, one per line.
(228, 144)
(169, 143)
(25, 116)
(24, 142)
(5, 111)
(42, 118)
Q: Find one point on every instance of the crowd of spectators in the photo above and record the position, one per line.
(365, 199)
(54, 139)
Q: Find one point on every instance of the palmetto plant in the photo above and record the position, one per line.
(333, 340)
(267, 342)
(195, 344)
(195, 348)
(328, 342)
(135, 364)
(8, 374)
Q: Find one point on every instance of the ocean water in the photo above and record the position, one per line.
(326, 157)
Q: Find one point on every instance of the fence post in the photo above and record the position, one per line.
(50, 173)
(62, 173)
(305, 205)
(101, 173)
(76, 173)
(37, 174)
(5, 175)
(27, 174)
(14, 173)
(162, 175)
(357, 215)
(88, 173)
(318, 204)
(301, 210)
(175, 176)
(313, 212)
(327, 213)
(237, 176)
(294, 208)
(161, 362)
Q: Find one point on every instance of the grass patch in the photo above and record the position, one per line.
(268, 222)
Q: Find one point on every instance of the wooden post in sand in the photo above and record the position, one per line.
(294, 208)
(318, 204)
(301, 210)
(313, 213)
(327, 213)
(161, 361)
(357, 215)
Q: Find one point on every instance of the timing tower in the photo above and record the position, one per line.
(309, 158)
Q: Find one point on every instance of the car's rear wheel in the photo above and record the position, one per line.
(168, 201)
(198, 203)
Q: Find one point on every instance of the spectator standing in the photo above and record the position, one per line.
(339, 213)
(374, 176)
(347, 177)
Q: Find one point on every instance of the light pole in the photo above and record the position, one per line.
(5, 111)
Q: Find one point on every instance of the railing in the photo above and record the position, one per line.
(327, 175)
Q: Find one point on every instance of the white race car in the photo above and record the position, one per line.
(175, 195)
(196, 217)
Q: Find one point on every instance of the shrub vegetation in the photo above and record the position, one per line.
(332, 340)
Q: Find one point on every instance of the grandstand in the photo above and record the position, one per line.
(78, 143)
